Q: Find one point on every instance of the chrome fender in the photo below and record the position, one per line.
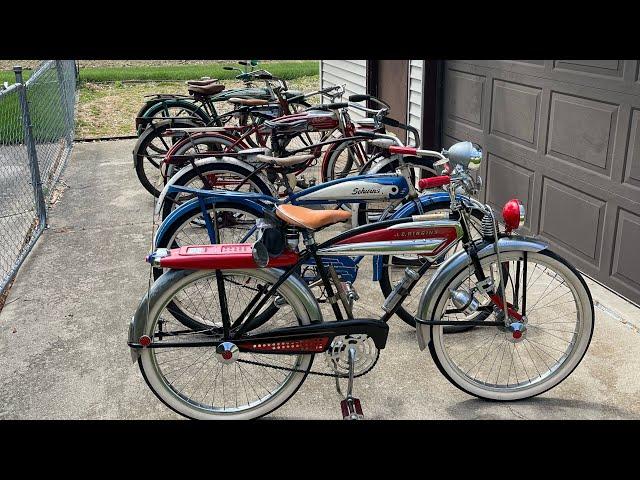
(206, 161)
(292, 288)
(411, 161)
(452, 267)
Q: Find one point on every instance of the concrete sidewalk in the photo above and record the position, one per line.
(63, 331)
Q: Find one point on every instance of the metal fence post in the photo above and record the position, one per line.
(31, 148)
(64, 95)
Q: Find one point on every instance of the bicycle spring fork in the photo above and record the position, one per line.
(505, 305)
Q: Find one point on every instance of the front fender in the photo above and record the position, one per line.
(293, 287)
(451, 267)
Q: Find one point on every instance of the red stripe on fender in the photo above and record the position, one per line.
(219, 257)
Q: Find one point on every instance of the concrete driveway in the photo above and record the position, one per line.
(63, 331)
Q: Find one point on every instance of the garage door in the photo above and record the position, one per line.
(564, 137)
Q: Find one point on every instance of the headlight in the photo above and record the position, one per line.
(465, 154)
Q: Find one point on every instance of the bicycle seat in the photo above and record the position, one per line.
(250, 102)
(202, 82)
(285, 161)
(208, 89)
(308, 218)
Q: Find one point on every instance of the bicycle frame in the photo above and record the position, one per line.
(396, 236)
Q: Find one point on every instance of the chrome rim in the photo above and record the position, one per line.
(195, 376)
(487, 359)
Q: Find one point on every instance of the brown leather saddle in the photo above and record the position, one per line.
(206, 89)
(308, 218)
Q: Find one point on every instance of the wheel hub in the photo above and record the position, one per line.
(516, 332)
(227, 352)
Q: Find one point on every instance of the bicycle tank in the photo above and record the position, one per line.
(312, 120)
(430, 238)
(355, 189)
(253, 92)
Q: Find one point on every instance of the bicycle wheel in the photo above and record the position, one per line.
(394, 266)
(489, 362)
(166, 108)
(194, 381)
(151, 149)
(346, 159)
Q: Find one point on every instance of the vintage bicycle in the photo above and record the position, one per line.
(531, 310)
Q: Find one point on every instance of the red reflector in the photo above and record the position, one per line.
(227, 355)
(145, 341)
(517, 334)
(306, 345)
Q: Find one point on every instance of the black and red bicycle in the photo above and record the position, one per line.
(260, 327)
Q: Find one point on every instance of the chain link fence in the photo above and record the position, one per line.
(37, 121)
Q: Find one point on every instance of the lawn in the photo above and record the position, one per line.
(109, 109)
(110, 96)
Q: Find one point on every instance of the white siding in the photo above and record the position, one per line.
(350, 73)
(414, 103)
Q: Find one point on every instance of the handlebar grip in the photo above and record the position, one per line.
(403, 150)
(434, 182)
(336, 106)
(390, 122)
(359, 98)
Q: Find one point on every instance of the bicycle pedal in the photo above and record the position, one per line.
(351, 409)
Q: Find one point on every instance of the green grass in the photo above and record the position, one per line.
(285, 70)
(45, 109)
(10, 77)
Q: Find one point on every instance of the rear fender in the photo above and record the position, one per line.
(292, 288)
(385, 164)
(225, 139)
(193, 206)
(208, 161)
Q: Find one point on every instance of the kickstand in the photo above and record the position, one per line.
(351, 408)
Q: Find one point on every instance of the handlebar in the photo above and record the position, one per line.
(361, 98)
